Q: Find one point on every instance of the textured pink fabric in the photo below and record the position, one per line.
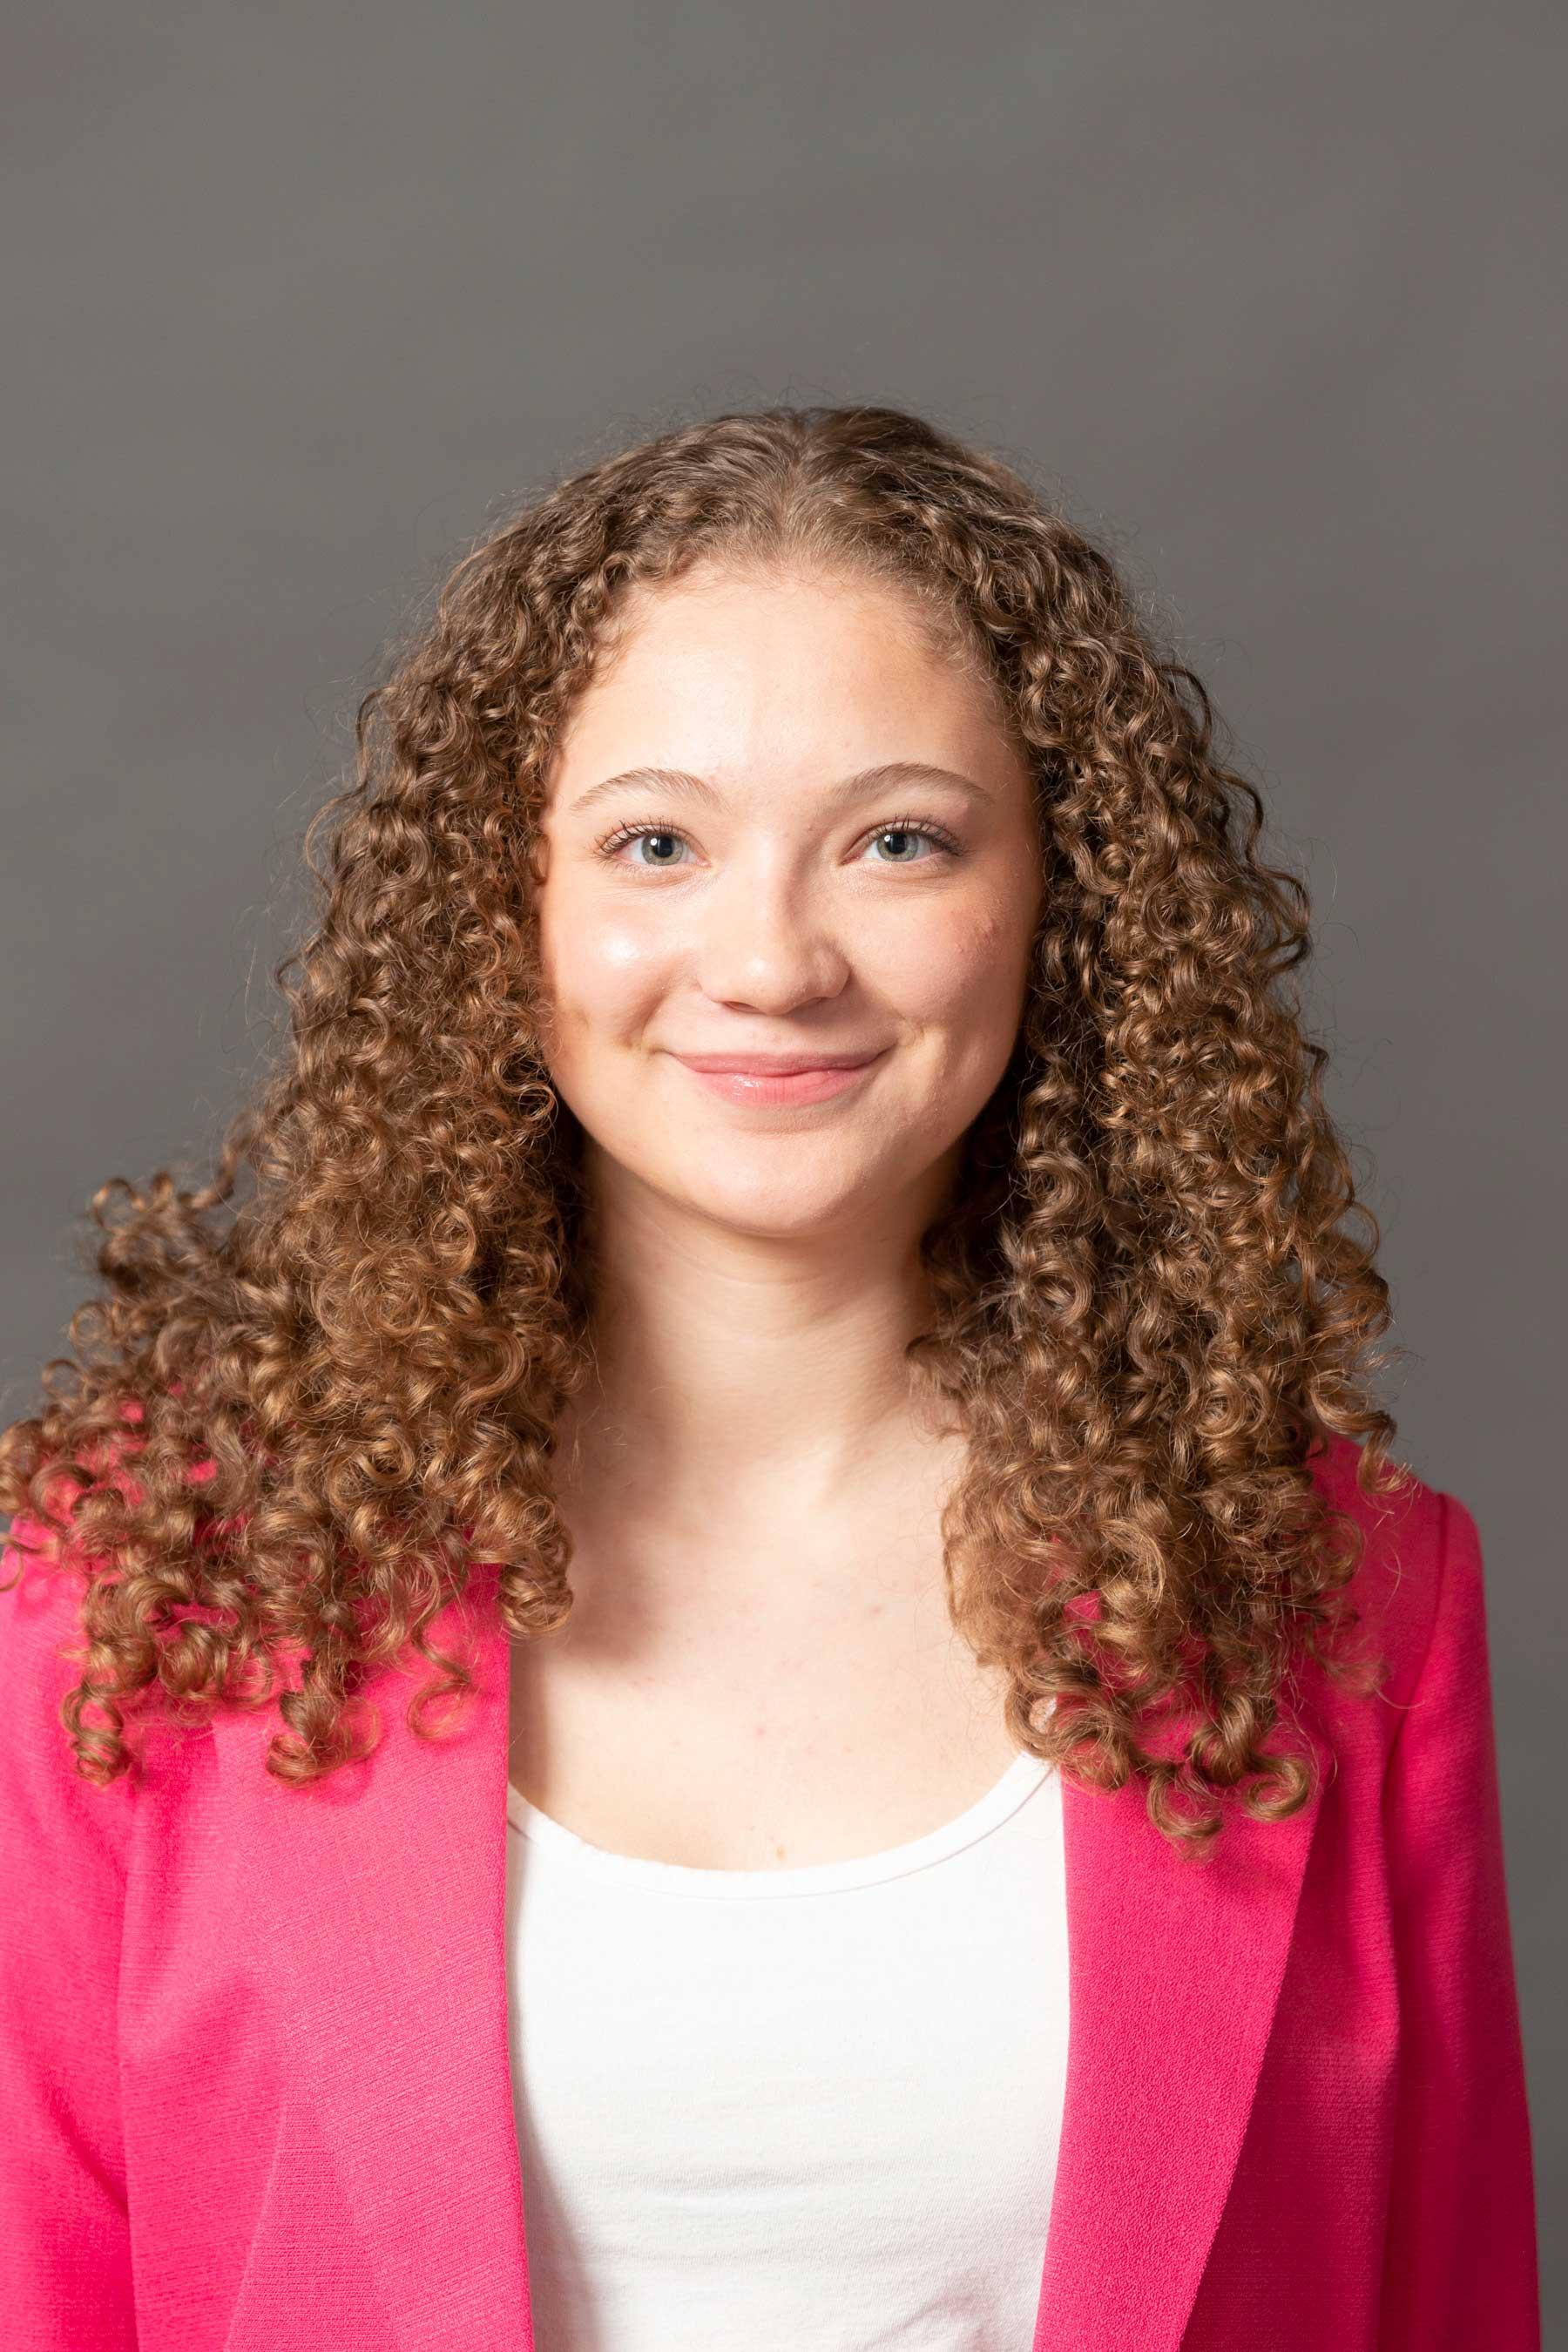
(253, 2049)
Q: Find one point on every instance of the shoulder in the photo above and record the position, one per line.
(1421, 1569)
(43, 1647)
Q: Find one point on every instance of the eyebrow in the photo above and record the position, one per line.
(683, 785)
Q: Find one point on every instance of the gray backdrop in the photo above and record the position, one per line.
(302, 295)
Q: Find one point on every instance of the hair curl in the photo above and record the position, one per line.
(343, 1397)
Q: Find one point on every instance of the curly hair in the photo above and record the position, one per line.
(1151, 1300)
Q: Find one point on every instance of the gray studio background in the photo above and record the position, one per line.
(299, 297)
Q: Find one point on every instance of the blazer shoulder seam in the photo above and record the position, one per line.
(1406, 1705)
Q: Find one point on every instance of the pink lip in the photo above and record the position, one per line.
(795, 1079)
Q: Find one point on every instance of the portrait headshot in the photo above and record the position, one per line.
(778, 1393)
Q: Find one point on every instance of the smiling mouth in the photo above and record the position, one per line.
(777, 1064)
(798, 1080)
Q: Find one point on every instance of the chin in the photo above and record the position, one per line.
(777, 1213)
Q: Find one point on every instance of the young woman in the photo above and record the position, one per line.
(740, 1663)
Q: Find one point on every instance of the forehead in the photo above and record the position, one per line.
(771, 673)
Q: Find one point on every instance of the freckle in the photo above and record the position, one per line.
(778, 1853)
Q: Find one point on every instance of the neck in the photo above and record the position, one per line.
(748, 1365)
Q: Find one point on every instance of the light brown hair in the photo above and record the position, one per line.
(1151, 1300)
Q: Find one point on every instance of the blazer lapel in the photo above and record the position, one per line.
(379, 1939)
(1173, 1971)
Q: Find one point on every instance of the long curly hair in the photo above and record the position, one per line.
(295, 1424)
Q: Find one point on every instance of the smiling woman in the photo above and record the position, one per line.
(856, 878)
(798, 1262)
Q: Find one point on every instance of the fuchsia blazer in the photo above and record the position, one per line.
(253, 2054)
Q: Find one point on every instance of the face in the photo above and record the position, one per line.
(781, 828)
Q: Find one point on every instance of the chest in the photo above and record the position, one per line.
(680, 2107)
(796, 1721)
(332, 1969)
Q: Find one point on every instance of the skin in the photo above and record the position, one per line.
(751, 1476)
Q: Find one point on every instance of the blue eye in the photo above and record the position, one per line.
(627, 833)
(913, 828)
(904, 833)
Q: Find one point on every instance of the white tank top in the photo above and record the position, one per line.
(783, 2107)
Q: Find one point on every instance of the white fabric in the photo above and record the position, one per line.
(781, 2108)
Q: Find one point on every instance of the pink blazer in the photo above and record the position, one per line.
(254, 2054)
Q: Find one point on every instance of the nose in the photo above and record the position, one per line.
(767, 940)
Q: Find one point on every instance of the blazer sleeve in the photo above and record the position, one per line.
(1460, 2266)
(65, 2252)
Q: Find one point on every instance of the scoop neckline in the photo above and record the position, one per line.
(1022, 1777)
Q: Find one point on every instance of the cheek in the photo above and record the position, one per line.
(603, 969)
(965, 968)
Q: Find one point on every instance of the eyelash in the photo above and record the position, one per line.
(937, 833)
